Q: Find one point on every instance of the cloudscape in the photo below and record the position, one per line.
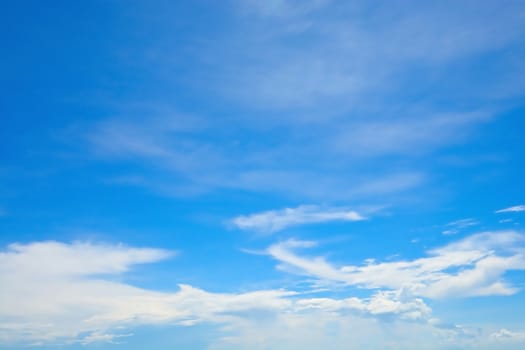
(262, 174)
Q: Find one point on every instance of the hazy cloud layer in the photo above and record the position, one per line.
(316, 90)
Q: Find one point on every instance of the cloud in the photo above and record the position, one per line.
(74, 293)
(177, 156)
(455, 227)
(381, 303)
(514, 209)
(59, 293)
(278, 220)
(462, 223)
(318, 184)
(357, 51)
(406, 136)
(84, 259)
(473, 266)
(506, 335)
(56, 292)
(330, 72)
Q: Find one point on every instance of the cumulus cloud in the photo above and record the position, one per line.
(277, 220)
(473, 266)
(514, 209)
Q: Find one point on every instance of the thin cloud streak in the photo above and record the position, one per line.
(277, 220)
(514, 209)
(455, 227)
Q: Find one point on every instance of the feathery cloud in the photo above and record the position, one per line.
(473, 266)
(514, 209)
(277, 220)
(455, 227)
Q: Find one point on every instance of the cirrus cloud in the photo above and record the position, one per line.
(277, 220)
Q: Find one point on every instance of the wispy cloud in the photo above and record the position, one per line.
(340, 89)
(462, 223)
(352, 58)
(277, 220)
(406, 135)
(514, 209)
(455, 227)
(182, 159)
(469, 267)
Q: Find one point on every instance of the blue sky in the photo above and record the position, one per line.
(276, 174)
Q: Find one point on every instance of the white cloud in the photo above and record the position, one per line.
(97, 337)
(463, 223)
(75, 293)
(473, 266)
(277, 220)
(514, 209)
(455, 227)
(318, 328)
(67, 293)
(381, 303)
(506, 335)
(47, 258)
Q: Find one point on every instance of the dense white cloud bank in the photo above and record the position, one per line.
(65, 293)
(55, 292)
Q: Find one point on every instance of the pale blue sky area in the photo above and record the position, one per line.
(276, 174)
